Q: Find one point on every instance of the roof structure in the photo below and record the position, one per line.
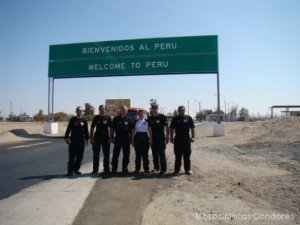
(286, 107)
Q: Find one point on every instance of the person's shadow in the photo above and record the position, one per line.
(135, 176)
(59, 176)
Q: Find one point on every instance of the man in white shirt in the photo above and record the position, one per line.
(141, 140)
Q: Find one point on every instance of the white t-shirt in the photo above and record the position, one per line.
(141, 125)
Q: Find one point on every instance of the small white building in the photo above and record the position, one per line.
(25, 118)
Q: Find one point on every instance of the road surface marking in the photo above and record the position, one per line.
(24, 146)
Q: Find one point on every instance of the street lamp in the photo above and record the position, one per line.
(162, 109)
(199, 105)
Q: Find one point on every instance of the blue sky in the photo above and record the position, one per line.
(259, 52)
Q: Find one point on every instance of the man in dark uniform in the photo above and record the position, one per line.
(78, 128)
(182, 124)
(100, 139)
(121, 126)
(158, 122)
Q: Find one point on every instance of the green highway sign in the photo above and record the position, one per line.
(195, 54)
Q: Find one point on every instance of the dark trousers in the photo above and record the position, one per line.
(159, 154)
(124, 143)
(141, 146)
(182, 148)
(76, 151)
(96, 154)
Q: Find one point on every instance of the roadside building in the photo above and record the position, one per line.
(25, 118)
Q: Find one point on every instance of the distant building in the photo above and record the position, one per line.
(25, 118)
(287, 111)
(114, 105)
(214, 117)
(291, 113)
(169, 116)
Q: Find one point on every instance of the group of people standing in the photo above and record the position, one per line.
(122, 131)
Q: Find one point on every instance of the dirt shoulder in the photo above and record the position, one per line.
(26, 131)
(249, 176)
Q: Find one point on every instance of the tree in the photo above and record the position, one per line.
(233, 112)
(153, 101)
(202, 115)
(243, 114)
(89, 111)
(61, 116)
(175, 113)
(243, 111)
(40, 117)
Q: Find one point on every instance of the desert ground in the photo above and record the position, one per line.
(248, 176)
(251, 175)
(22, 131)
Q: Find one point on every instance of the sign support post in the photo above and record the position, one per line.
(50, 127)
(218, 127)
(50, 99)
(218, 98)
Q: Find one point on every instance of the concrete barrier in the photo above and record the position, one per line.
(218, 129)
(50, 128)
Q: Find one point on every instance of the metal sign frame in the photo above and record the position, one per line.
(155, 56)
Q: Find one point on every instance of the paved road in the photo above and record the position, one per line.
(34, 188)
(24, 164)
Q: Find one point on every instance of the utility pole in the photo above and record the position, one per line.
(11, 108)
(228, 109)
(199, 106)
